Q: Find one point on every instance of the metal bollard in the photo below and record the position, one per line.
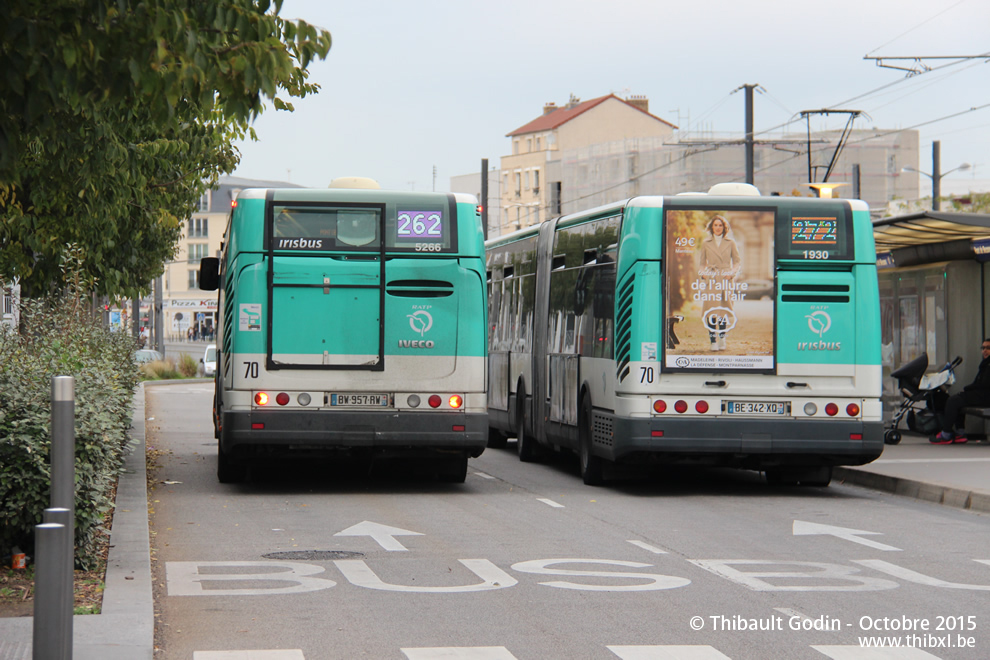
(66, 598)
(49, 641)
(63, 452)
(63, 505)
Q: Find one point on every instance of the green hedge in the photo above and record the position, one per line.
(61, 339)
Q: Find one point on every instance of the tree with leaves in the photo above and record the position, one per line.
(115, 117)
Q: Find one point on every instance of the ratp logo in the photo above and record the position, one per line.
(819, 322)
(420, 322)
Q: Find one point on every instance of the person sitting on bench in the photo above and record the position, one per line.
(976, 394)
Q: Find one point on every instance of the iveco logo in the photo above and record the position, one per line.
(420, 321)
(415, 343)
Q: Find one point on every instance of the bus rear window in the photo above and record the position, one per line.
(309, 228)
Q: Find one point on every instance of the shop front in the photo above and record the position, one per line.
(191, 319)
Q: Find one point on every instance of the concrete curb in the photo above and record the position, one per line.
(125, 629)
(926, 491)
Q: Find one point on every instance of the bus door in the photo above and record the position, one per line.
(541, 316)
(326, 275)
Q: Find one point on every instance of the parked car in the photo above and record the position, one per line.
(209, 360)
(147, 355)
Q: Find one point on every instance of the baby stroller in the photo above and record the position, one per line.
(924, 397)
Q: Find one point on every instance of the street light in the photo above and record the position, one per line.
(937, 174)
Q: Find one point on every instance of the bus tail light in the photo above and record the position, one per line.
(701, 406)
(282, 398)
(831, 410)
(660, 406)
(681, 406)
(435, 401)
(852, 410)
(855, 436)
(455, 401)
(257, 426)
(261, 398)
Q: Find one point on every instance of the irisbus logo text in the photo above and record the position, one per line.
(300, 243)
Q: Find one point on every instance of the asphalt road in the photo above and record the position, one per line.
(313, 560)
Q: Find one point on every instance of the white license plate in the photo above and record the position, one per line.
(359, 400)
(758, 407)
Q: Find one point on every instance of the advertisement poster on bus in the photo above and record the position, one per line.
(719, 297)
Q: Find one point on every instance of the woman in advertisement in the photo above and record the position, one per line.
(719, 265)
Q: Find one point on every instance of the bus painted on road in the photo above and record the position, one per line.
(351, 320)
(719, 329)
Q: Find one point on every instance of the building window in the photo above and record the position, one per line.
(518, 184)
(537, 144)
(198, 228)
(204, 202)
(515, 147)
(536, 181)
(197, 251)
(193, 279)
(527, 180)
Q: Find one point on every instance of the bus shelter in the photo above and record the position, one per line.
(933, 275)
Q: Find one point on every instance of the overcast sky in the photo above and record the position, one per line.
(409, 86)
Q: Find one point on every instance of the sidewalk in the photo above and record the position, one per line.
(951, 475)
(954, 475)
(125, 629)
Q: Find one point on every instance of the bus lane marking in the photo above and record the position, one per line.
(287, 654)
(459, 653)
(492, 577)
(668, 652)
(802, 528)
(381, 534)
(649, 548)
(550, 503)
(866, 653)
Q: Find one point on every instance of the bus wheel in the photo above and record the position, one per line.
(453, 470)
(592, 467)
(496, 439)
(229, 470)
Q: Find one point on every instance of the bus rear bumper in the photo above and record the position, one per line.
(752, 443)
(315, 432)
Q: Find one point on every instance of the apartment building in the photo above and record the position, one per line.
(586, 154)
(187, 310)
(528, 191)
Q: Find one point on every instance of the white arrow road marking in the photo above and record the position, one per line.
(290, 654)
(668, 653)
(861, 653)
(802, 528)
(463, 653)
(382, 534)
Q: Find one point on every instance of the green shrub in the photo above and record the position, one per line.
(188, 366)
(61, 339)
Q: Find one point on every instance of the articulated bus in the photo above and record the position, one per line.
(724, 329)
(352, 320)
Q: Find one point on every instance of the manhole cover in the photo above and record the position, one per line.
(314, 555)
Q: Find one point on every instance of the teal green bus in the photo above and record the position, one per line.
(352, 321)
(725, 329)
